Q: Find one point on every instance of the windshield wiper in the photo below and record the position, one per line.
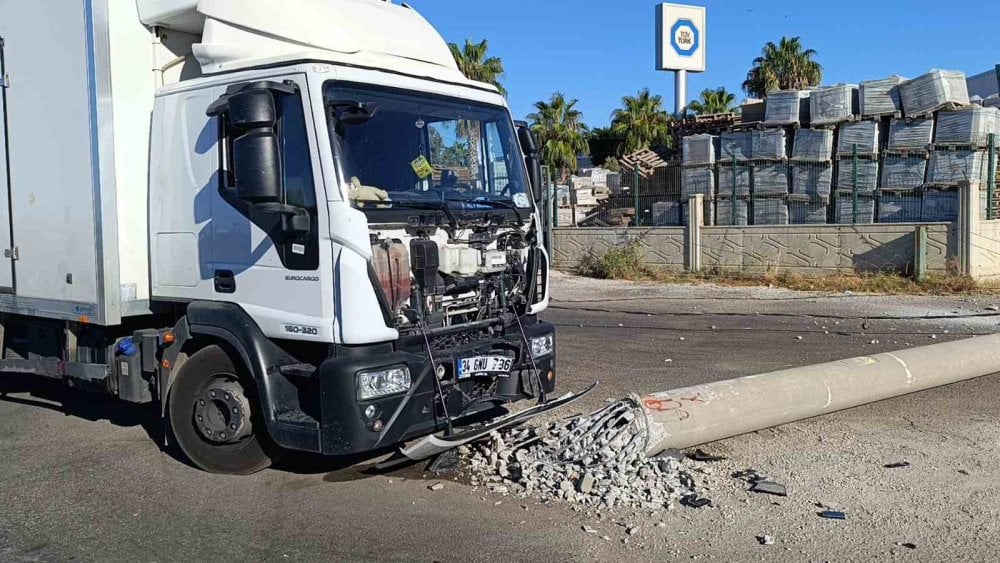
(496, 204)
(429, 204)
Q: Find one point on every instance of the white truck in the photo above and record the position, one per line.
(292, 225)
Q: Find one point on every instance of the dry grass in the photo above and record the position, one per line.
(625, 262)
(874, 283)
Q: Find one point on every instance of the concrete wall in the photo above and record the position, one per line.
(986, 244)
(810, 250)
(664, 246)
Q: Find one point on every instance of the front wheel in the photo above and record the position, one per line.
(214, 419)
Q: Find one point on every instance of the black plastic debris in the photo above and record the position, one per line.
(833, 515)
(963, 472)
(897, 465)
(769, 487)
(694, 501)
(701, 455)
(748, 475)
(908, 545)
(446, 462)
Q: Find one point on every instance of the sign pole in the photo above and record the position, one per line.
(680, 91)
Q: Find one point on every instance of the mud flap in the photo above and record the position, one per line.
(433, 445)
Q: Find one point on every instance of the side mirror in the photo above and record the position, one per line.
(531, 159)
(256, 154)
(252, 116)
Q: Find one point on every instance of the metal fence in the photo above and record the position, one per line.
(887, 187)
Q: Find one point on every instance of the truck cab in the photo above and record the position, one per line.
(344, 247)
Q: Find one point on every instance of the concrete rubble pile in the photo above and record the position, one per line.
(596, 459)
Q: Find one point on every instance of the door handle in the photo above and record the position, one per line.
(225, 281)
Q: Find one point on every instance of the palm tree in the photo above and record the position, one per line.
(603, 144)
(559, 127)
(475, 65)
(785, 66)
(713, 102)
(641, 122)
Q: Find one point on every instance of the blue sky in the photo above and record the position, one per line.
(599, 50)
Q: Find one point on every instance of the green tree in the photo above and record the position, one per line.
(713, 102)
(561, 133)
(474, 63)
(603, 144)
(641, 122)
(785, 66)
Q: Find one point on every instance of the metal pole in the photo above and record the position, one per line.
(854, 186)
(991, 182)
(554, 193)
(680, 91)
(705, 413)
(635, 195)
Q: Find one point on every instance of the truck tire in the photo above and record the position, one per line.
(215, 420)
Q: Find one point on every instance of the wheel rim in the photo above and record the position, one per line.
(221, 411)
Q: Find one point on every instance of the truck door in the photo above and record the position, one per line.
(6, 231)
(278, 282)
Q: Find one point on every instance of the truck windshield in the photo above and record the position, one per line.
(401, 148)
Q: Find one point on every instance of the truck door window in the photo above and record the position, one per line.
(497, 163)
(298, 185)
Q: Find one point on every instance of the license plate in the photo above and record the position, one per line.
(485, 365)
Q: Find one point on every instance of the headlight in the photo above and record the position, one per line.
(383, 382)
(542, 345)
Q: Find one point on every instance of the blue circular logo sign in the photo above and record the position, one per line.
(684, 37)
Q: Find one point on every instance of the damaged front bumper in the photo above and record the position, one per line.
(352, 425)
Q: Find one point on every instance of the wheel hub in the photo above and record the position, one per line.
(222, 413)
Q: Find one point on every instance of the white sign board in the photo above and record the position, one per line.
(680, 37)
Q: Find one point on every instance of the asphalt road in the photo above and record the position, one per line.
(86, 480)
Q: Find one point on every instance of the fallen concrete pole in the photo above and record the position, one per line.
(705, 413)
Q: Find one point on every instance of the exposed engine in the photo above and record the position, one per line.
(472, 275)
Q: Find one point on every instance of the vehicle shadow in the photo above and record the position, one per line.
(55, 395)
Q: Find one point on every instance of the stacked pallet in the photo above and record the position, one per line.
(960, 152)
(812, 175)
(880, 98)
(770, 176)
(736, 152)
(857, 171)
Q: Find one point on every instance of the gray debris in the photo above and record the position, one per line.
(596, 459)
(769, 487)
(436, 486)
(765, 540)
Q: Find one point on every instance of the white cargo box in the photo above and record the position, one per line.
(74, 234)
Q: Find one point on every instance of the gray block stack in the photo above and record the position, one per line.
(666, 213)
(904, 164)
(724, 210)
(698, 173)
(735, 153)
(899, 207)
(769, 144)
(863, 134)
(770, 210)
(785, 107)
(844, 209)
(807, 210)
(934, 91)
(970, 126)
(947, 168)
(812, 176)
(833, 104)
(881, 97)
(939, 205)
(738, 144)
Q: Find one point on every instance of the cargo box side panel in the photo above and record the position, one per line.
(132, 98)
(56, 107)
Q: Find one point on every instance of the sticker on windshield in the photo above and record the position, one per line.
(521, 200)
(422, 167)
